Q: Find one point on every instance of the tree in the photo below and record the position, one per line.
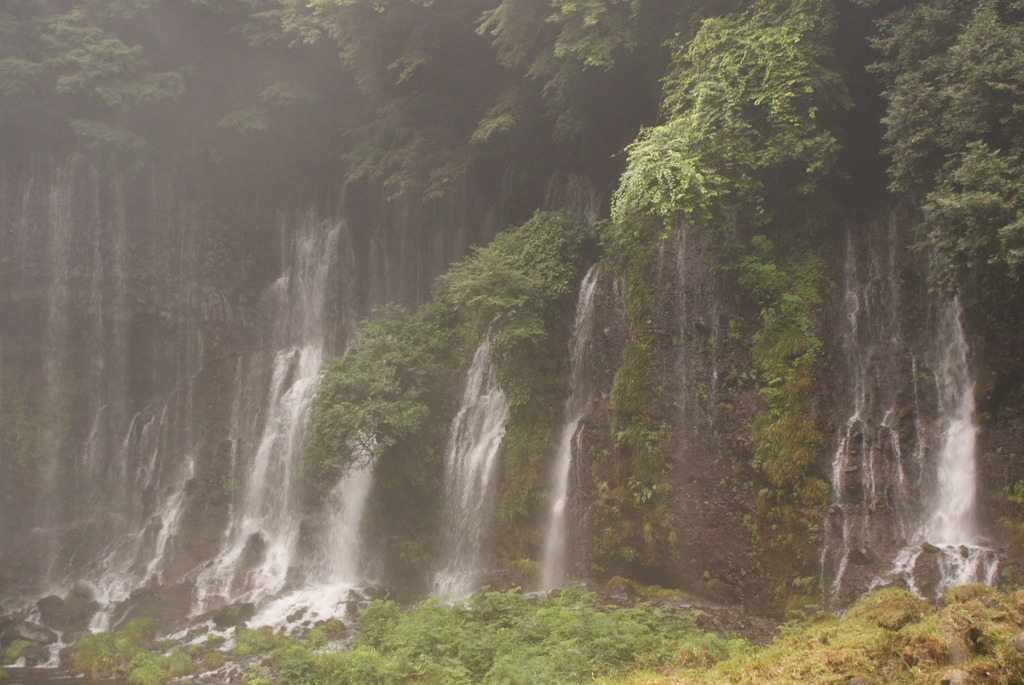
(955, 129)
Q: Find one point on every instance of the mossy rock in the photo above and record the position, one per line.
(234, 615)
(621, 589)
(890, 608)
(211, 661)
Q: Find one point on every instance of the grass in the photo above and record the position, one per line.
(889, 636)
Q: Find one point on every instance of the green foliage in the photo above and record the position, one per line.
(525, 443)
(520, 290)
(13, 651)
(503, 638)
(71, 61)
(388, 401)
(99, 655)
(743, 102)
(256, 675)
(254, 641)
(382, 401)
(786, 351)
(94, 655)
(890, 636)
(570, 46)
(147, 668)
(428, 86)
(212, 661)
(954, 128)
(180, 663)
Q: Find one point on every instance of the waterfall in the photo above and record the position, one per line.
(154, 395)
(575, 193)
(107, 445)
(903, 465)
(335, 565)
(870, 517)
(947, 551)
(952, 520)
(474, 441)
(581, 392)
(260, 551)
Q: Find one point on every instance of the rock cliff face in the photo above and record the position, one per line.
(899, 368)
(157, 341)
(158, 350)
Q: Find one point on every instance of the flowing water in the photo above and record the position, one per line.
(554, 559)
(471, 457)
(261, 542)
(904, 461)
(872, 469)
(99, 486)
(161, 402)
(946, 550)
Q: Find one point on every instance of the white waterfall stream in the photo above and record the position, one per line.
(904, 464)
(108, 495)
(261, 559)
(870, 465)
(948, 540)
(474, 441)
(554, 559)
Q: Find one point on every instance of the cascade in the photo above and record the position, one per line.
(474, 441)
(575, 193)
(159, 402)
(581, 392)
(953, 554)
(910, 430)
(334, 570)
(109, 446)
(261, 552)
(873, 471)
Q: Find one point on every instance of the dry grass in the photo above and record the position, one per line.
(889, 637)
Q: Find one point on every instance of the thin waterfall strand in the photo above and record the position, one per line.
(474, 441)
(554, 561)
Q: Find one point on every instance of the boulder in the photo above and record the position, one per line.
(167, 605)
(620, 591)
(36, 655)
(233, 615)
(72, 613)
(953, 676)
(28, 631)
(863, 556)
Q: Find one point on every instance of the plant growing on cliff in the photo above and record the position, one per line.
(381, 400)
(99, 655)
(786, 350)
(388, 401)
(743, 131)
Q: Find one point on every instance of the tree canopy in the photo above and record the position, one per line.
(699, 111)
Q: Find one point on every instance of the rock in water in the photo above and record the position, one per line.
(28, 631)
